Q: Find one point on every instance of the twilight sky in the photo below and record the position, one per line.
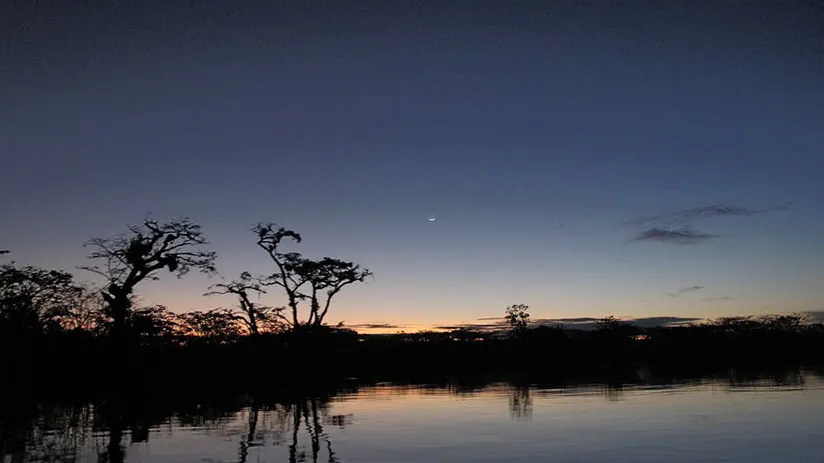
(639, 158)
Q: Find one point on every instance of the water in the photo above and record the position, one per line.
(726, 420)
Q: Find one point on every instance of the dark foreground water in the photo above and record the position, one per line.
(772, 419)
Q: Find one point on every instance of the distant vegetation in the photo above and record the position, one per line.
(52, 326)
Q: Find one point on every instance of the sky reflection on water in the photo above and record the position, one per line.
(772, 419)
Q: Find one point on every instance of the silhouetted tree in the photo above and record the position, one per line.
(612, 324)
(466, 334)
(36, 300)
(428, 336)
(734, 324)
(517, 315)
(255, 316)
(141, 254)
(615, 330)
(215, 323)
(154, 321)
(326, 277)
(317, 281)
(791, 323)
(87, 314)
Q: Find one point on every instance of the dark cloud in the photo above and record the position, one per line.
(716, 299)
(491, 318)
(473, 326)
(683, 235)
(646, 322)
(684, 290)
(590, 323)
(567, 320)
(374, 326)
(684, 216)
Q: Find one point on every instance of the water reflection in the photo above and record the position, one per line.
(304, 427)
(520, 402)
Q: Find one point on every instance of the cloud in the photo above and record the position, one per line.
(374, 326)
(590, 323)
(683, 235)
(579, 323)
(684, 216)
(568, 320)
(491, 318)
(684, 290)
(716, 299)
(473, 326)
(646, 322)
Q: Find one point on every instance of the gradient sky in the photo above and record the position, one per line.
(532, 133)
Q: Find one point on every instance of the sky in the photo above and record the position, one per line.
(586, 158)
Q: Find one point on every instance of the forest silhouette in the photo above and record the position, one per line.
(61, 334)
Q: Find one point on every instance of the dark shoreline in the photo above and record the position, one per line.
(77, 364)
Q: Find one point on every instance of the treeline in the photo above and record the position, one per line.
(37, 301)
(53, 328)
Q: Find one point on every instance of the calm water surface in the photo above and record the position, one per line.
(769, 420)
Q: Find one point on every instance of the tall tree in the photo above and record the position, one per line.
(270, 238)
(142, 254)
(154, 322)
(255, 316)
(315, 281)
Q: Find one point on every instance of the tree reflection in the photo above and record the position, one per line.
(520, 403)
(251, 436)
(613, 391)
(312, 412)
(301, 424)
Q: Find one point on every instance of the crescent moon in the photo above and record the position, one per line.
(432, 219)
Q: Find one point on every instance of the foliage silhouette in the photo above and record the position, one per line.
(256, 317)
(59, 328)
(517, 315)
(34, 300)
(316, 281)
(131, 258)
(217, 324)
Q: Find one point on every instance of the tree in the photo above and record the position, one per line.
(326, 278)
(215, 323)
(141, 254)
(734, 324)
(316, 281)
(36, 300)
(788, 323)
(613, 328)
(610, 323)
(466, 334)
(517, 316)
(153, 321)
(255, 316)
(89, 314)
